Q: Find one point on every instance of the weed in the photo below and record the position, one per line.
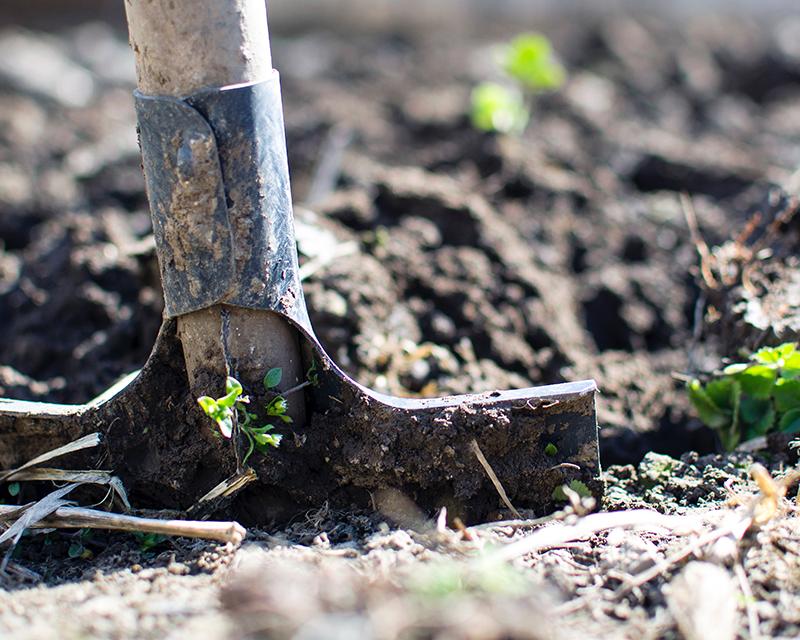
(560, 495)
(529, 63)
(312, 375)
(499, 108)
(751, 399)
(78, 548)
(450, 578)
(148, 541)
(231, 410)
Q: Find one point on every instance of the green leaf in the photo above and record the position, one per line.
(757, 381)
(723, 393)
(148, 541)
(75, 550)
(550, 449)
(529, 60)
(707, 410)
(263, 429)
(226, 426)
(790, 421)
(787, 394)
(232, 385)
(576, 485)
(13, 489)
(312, 375)
(776, 355)
(495, 107)
(233, 389)
(277, 406)
(273, 378)
(264, 441)
(791, 365)
(758, 416)
(209, 405)
(753, 409)
(733, 369)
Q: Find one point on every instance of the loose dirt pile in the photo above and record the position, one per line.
(439, 260)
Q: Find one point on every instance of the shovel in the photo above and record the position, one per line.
(213, 146)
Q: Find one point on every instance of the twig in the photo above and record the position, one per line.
(588, 526)
(697, 239)
(227, 488)
(80, 518)
(493, 477)
(512, 524)
(736, 529)
(747, 592)
(295, 389)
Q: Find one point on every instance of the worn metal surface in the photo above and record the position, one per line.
(218, 185)
(355, 442)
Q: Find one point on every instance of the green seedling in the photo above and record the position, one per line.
(312, 375)
(750, 399)
(499, 108)
(231, 411)
(530, 65)
(149, 541)
(559, 495)
(450, 579)
(78, 549)
(529, 59)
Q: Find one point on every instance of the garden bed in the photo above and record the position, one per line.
(461, 262)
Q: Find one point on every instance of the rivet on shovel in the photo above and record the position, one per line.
(213, 147)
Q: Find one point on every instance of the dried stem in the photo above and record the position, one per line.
(493, 477)
(80, 518)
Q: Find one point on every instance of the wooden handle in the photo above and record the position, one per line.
(185, 45)
(182, 46)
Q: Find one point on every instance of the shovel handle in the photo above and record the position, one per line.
(182, 46)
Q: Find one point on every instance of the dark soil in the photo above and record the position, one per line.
(461, 262)
(469, 262)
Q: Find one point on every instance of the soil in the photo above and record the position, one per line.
(441, 260)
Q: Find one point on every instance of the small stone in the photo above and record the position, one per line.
(178, 569)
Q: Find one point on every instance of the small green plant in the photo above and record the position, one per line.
(149, 541)
(496, 107)
(78, 548)
(751, 399)
(529, 63)
(231, 411)
(559, 495)
(450, 579)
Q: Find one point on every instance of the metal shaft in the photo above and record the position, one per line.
(181, 46)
